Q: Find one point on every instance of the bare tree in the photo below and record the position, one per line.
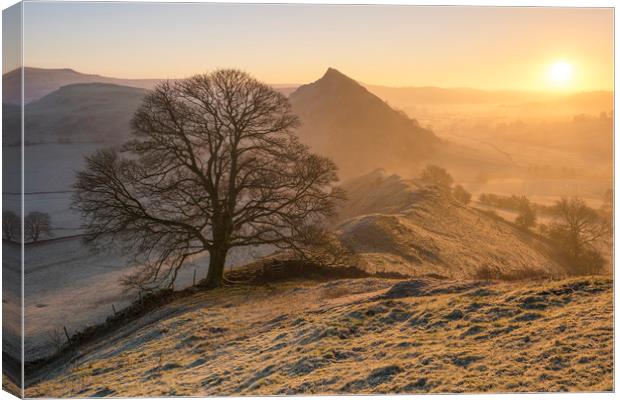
(11, 226)
(436, 175)
(578, 228)
(527, 215)
(36, 225)
(213, 165)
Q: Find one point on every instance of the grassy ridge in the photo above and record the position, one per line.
(363, 335)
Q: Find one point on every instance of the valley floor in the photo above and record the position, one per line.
(357, 336)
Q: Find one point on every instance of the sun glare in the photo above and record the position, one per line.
(561, 72)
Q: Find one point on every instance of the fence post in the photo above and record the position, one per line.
(66, 333)
(113, 308)
(194, 280)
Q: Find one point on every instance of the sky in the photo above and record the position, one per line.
(482, 47)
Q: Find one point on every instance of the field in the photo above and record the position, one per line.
(355, 336)
(67, 285)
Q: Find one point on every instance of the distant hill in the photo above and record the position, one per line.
(437, 95)
(593, 102)
(42, 81)
(398, 225)
(431, 95)
(359, 131)
(520, 103)
(87, 112)
(285, 89)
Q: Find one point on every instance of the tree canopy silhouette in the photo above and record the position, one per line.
(435, 175)
(578, 228)
(213, 164)
(36, 225)
(461, 195)
(527, 214)
(11, 226)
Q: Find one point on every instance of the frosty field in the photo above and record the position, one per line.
(68, 285)
(356, 336)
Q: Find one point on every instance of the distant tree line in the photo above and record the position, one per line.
(37, 225)
(549, 172)
(513, 203)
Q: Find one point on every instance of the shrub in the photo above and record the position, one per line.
(435, 175)
(461, 195)
(522, 274)
(527, 216)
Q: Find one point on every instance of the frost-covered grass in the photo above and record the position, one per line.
(400, 225)
(356, 336)
(66, 284)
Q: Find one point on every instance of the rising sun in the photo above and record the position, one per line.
(560, 72)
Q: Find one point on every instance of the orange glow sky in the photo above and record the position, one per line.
(483, 47)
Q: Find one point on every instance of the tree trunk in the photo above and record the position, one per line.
(217, 260)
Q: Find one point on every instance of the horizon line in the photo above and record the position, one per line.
(365, 84)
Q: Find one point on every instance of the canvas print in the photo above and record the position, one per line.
(204, 199)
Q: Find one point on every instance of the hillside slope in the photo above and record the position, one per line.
(40, 82)
(398, 225)
(85, 112)
(344, 121)
(356, 336)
